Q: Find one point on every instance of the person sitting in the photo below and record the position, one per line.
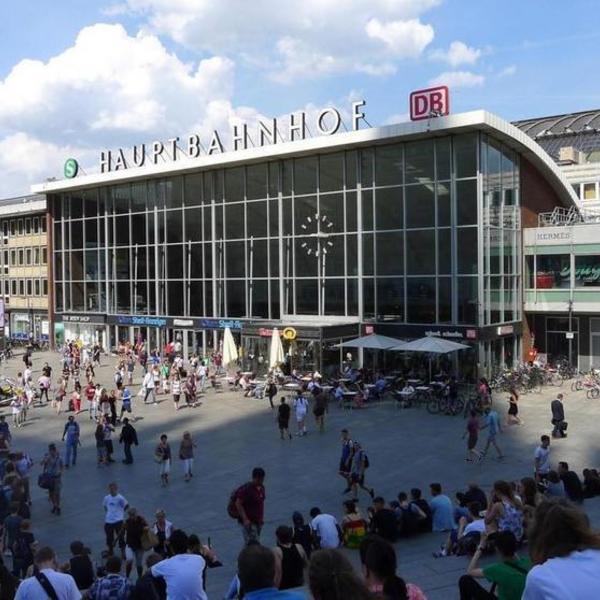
(565, 552)
(505, 511)
(258, 575)
(591, 483)
(441, 509)
(508, 575)
(148, 587)
(302, 533)
(465, 539)
(80, 566)
(291, 558)
(354, 527)
(113, 584)
(571, 481)
(408, 514)
(416, 499)
(378, 391)
(378, 559)
(555, 488)
(383, 520)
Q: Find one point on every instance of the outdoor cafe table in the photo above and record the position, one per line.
(291, 386)
(414, 381)
(423, 388)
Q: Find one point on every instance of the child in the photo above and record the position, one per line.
(283, 419)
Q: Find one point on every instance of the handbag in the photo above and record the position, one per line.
(149, 539)
(45, 481)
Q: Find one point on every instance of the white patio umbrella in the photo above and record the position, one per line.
(431, 345)
(230, 353)
(372, 341)
(276, 350)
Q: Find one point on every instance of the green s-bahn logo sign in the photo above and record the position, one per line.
(71, 168)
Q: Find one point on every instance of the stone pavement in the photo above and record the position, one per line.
(406, 448)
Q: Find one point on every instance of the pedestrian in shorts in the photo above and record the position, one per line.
(283, 419)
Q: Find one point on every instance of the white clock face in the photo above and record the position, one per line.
(318, 228)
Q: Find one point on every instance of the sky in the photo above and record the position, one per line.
(79, 76)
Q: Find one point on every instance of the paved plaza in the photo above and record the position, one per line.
(406, 448)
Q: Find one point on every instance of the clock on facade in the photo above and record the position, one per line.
(318, 228)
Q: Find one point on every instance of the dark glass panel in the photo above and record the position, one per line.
(234, 222)
(260, 298)
(388, 208)
(77, 297)
(273, 179)
(418, 157)
(420, 297)
(257, 219)
(465, 155)
(174, 225)
(174, 261)
(122, 266)
(235, 259)
(466, 245)
(307, 261)
(442, 158)
(305, 175)
(139, 257)
(92, 271)
(91, 233)
(444, 252)
(273, 217)
(366, 167)
(138, 229)
(444, 208)
(76, 234)
(467, 300)
(390, 252)
(234, 184)
(192, 187)
(352, 295)
(195, 256)
(368, 254)
(287, 167)
(122, 231)
(77, 265)
(367, 210)
(196, 295)
(92, 296)
(351, 158)
(368, 298)
(331, 172)
(466, 202)
(335, 292)
(287, 208)
(351, 255)
(444, 300)
(138, 197)
(331, 211)
(351, 211)
(420, 250)
(121, 197)
(275, 308)
(305, 214)
(307, 297)
(175, 292)
(334, 253)
(236, 299)
(420, 206)
(274, 257)
(390, 299)
(90, 202)
(258, 253)
(256, 181)
(123, 297)
(388, 165)
(173, 191)
(76, 205)
(193, 225)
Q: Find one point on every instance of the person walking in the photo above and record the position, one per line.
(271, 390)
(301, 408)
(176, 390)
(346, 458)
(249, 501)
(541, 458)
(114, 505)
(59, 394)
(71, 433)
(52, 466)
(126, 403)
(359, 465)
(558, 417)
(148, 387)
(133, 529)
(162, 455)
(320, 408)
(492, 424)
(100, 447)
(472, 431)
(128, 438)
(283, 419)
(44, 385)
(107, 430)
(186, 454)
(76, 399)
(513, 409)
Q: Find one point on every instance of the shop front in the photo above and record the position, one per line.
(89, 328)
(27, 323)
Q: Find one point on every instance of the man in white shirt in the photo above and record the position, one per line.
(183, 573)
(542, 458)
(114, 505)
(148, 385)
(326, 528)
(37, 587)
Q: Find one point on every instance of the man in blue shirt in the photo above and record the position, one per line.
(492, 424)
(441, 509)
(257, 574)
(71, 432)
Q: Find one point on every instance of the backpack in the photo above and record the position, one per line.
(232, 509)
(21, 548)
(409, 521)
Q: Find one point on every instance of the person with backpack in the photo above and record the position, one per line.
(508, 575)
(408, 514)
(416, 499)
(354, 527)
(22, 549)
(247, 506)
(359, 465)
(52, 466)
(283, 419)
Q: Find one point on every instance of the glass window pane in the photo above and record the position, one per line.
(235, 259)
(196, 258)
(256, 181)
(307, 261)
(444, 300)
(390, 252)
(466, 202)
(351, 158)
(444, 252)
(175, 291)
(444, 207)
(420, 299)
(193, 189)
(418, 157)
(390, 299)
(305, 175)
(587, 271)
(367, 210)
(307, 297)
(174, 225)
(331, 211)
(368, 260)
(388, 165)
(259, 293)
(91, 233)
(193, 225)
(335, 291)
(260, 264)
(305, 213)
(76, 234)
(369, 298)
(467, 300)
(351, 211)
(334, 255)
(442, 158)
(466, 245)
(234, 184)
(388, 208)
(352, 295)
(366, 168)
(257, 219)
(234, 221)
(331, 172)
(465, 155)
(273, 179)
(420, 250)
(420, 206)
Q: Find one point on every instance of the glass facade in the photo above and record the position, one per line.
(421, 232)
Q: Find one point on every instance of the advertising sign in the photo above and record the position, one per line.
(430, 102)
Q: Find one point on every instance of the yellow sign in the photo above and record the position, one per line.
(289, 333)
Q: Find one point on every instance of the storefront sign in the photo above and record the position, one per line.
(142, 321)
(542, 236)
(369, 329)
(431, 102)
(264, 332)
(98, 319)
(505, 330)
(445, 334)
(289, 333)
(219, 324)
(183, 322)
(291, 128)
(71, 168)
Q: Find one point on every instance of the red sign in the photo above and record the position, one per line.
(432, 102)
(369, 329)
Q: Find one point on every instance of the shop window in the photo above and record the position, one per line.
(587, 271)
(589, 192)
(553, 271)
(20, 226)
(36, 287)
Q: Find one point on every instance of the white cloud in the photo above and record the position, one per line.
(508, 71)
(458, 79)
(457, 54)
(406, 39)
(297, 38)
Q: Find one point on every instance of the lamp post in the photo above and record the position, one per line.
(570, 335)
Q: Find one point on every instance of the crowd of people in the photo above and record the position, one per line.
(534, 525)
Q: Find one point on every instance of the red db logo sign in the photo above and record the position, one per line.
(432, 102)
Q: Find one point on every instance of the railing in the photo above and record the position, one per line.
(568, 216)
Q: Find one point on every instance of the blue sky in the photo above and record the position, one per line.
(69, 85)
